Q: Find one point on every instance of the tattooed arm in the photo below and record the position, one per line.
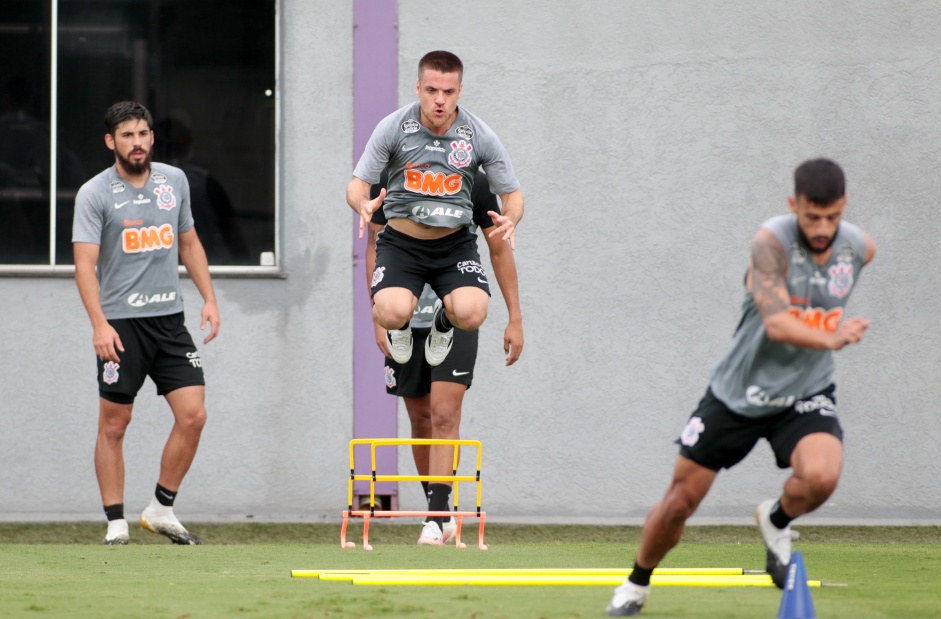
(767, 282)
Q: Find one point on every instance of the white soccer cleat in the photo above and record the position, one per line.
(165, 523)
(777, 543)
(431, 535)
(627, 600)
(400, 344)
(438, 343)
(449, 531)
(117, 534)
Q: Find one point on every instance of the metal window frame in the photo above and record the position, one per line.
(227, 271)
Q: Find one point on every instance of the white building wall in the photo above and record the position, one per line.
(651, 139)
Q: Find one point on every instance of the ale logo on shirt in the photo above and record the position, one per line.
(165, 199)
(432, 183)
(148, 238)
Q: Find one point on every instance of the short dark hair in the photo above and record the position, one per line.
(126, 110)
(821, 181)
(442, 61)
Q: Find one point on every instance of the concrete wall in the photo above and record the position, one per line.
(279, 376)
(651, 139)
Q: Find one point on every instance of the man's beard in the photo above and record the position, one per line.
(134, 168)
(812, 248)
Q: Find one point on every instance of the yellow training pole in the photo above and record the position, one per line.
(563, 581)
(613, 571)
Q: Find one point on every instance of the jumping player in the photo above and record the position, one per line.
(133, 222)
(775, 381)
(432, 150)
(434, 394)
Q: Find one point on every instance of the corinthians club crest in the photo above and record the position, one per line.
(165, 199)
(841, 279)
(109, 375)
(460, 154)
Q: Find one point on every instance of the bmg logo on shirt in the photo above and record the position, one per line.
(149, 238)
(432, 183)
(818, 317)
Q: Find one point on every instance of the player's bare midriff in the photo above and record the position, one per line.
(419, 231)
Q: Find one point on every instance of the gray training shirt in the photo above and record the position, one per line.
(758, 377)
(137, 231)
(430, 177)
(483, 201)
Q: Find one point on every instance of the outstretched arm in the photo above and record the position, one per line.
(506, 222)
(504, 268)
(767, 282)
(357, 196)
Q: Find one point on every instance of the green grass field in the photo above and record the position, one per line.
(58, 570)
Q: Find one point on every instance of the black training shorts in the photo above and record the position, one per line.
(447, 263)
(717, 438)
(413, 379)
(159, 347)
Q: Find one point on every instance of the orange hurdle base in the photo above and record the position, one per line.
(366, 515)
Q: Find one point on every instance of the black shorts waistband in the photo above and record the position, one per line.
(445, 241)
(149, 318)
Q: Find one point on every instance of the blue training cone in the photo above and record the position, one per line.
(796, 602)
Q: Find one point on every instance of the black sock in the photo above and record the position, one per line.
(438, 501)
(441, 321)
(778, 517)
(164, 496)
(424, 487)
(114, 512)
(640, 576)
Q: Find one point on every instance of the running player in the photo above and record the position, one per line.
(133, 222)
(433, 394)
(775, 381)
(432, 150)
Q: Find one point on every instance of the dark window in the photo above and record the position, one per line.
(24, 132)
(206, 71)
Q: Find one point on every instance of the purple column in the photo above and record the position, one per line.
(375, 95)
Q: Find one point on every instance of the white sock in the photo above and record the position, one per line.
(158, 508)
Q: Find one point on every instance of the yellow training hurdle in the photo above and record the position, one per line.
(374, 477)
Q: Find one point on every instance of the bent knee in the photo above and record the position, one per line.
(193, 421)
(821, 484)
(445, 419)
(471, 319)
(393, 317)
(113, 421)
(679, 505)
(113, 432)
